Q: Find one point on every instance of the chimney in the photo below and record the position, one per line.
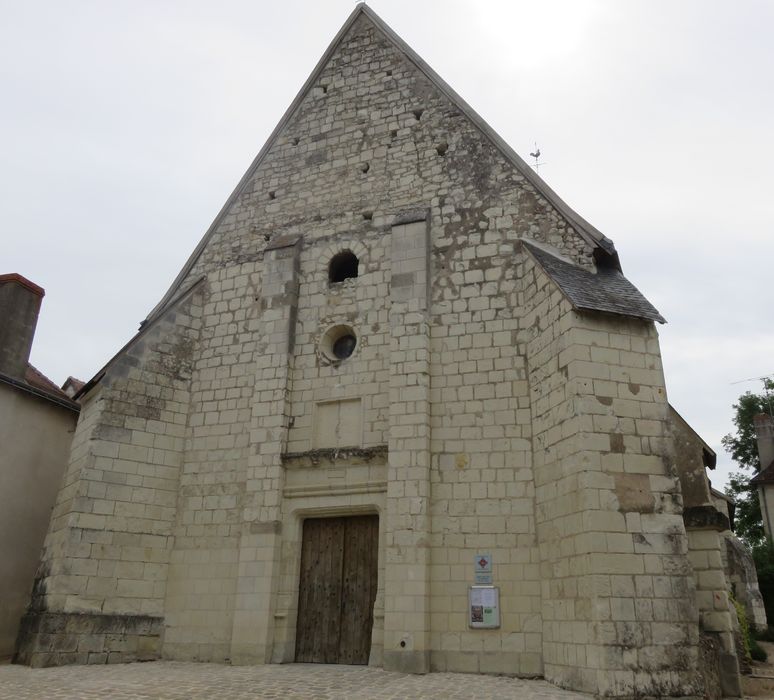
(764, 433)
(20, 302)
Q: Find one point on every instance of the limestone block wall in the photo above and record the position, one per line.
(704, 524)
(201, 591)
(107, 552)
(482, 484)
(373, 140)
(362, 304)
(260, 541)
(716, 613)
(408, 524)
(619, 614)
(341, 471)
(370, 141)
(739, 568)
(225, 563)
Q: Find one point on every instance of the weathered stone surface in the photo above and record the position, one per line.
(59, 639)
(705, 517)
(740, 572)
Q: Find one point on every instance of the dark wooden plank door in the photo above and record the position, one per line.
(319, 596)
(337, 589)
(358, 588)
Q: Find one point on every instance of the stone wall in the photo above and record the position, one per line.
(110, 538)
(619, 610)
(35, 435)
(740, 573)
(57, 639)
(365, 148)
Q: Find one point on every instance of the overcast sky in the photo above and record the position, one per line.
(125, 126)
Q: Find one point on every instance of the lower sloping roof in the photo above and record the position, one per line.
(605, 290)
(764, 476)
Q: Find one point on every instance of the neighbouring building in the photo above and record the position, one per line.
(37, 423)
(400, 407)
(764, 479)
(763, 482)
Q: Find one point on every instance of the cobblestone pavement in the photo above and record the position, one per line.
(168, 680)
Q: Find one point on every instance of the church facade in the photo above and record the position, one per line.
(400, 407)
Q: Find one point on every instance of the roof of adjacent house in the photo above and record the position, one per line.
(34, 377)
(72, 386)
(605, 290)
(24, 282)
(38, 384)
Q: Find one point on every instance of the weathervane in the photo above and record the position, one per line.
(536, 155)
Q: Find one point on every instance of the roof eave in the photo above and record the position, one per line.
(144, 328)
(40, 393)
(528, 246)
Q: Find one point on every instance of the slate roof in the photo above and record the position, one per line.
(38, 384)
(606, 290)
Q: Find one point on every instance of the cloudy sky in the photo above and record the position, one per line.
(125, 125)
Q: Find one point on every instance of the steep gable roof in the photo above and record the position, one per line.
(588, 232)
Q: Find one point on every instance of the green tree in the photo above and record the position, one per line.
(743, 448)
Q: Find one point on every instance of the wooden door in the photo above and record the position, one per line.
(337, 589)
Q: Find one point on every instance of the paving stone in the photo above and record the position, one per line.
(172, 680)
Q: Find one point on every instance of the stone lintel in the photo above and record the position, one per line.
(411, 216)
(283, 241)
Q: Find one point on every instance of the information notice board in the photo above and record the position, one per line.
(484, 607)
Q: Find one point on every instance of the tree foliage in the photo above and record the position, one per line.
(743, 448)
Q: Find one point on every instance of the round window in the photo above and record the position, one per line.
(338, 343)
(343, 347)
